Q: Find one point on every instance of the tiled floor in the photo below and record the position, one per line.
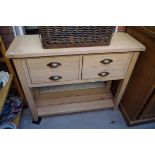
(101, 119)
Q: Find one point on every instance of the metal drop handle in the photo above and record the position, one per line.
(55, 78)
(54, 64)
(106, 61)
(103, 74)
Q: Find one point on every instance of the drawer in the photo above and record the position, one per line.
(64, 63)
(106, 61)
(53, 77)
(41, 69)
(104, 74)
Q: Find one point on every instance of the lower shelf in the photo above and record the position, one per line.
(73, 99)
(75, 107)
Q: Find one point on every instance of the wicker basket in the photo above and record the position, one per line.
(75, 36)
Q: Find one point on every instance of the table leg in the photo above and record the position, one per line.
(124, 82)
(27, 90)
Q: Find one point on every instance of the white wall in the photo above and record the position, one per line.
(18, 30)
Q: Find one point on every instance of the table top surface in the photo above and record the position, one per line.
(31, 46)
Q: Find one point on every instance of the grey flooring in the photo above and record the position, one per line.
(100, 119)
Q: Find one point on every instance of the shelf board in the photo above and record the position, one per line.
(76, 100)
(72, 96)
(76, 86)
(4, 92)
(75, 107)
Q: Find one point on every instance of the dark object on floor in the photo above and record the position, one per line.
(75, 36)
(138, 103)
(112, 122)
(37, 122)
(11, 109)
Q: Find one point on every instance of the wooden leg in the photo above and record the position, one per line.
(108, 85)
(26, 88)
(124, 82)
(36, 92)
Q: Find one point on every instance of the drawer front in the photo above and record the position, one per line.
(53, 77)
(103, 74)
(41, 69)
(64, 63)
(106, 61)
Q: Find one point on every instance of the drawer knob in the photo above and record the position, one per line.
(103, 74)
(54, 64)
(106, 61)
(55, 78)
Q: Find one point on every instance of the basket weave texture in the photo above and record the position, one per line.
(75, 36)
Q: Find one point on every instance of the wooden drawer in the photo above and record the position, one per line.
(47, 77)
(106, 61)
(67, 63)
(104, 74)
(41, 69)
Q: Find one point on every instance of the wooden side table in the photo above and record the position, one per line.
(58, 81)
